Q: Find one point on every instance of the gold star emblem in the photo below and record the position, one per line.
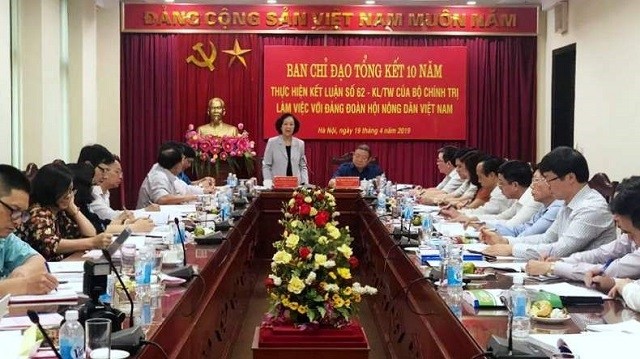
(237, 53)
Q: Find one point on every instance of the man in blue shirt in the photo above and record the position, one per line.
(22, 269)
(360, 166)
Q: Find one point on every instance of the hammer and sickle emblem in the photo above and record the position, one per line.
(207, 61)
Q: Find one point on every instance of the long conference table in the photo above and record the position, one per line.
(204, 319)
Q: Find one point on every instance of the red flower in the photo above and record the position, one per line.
(293, 209)
(322, 218)
(353, 262)
(305, 209)
(268, 282)
(304, 252)
(320, 197)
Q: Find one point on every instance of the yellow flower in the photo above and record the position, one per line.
(295, 223)
(302, 309)
(320, 258)
(347, 291)
(292, 240)
(282, 257)
(313, 211)
(292, 202)
(307, 199)
(285, 302)
(339, 302)
(332, 275)
(335, 296)
(322, 240)
(296, 285)
(293, 305)
(346, 251)
(344, 273)
(357, 298)
(329, 197)
(273, 296)
(347, 303)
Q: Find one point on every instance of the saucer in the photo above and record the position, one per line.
(101, 353)
(551, 320)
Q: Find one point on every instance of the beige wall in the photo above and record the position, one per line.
(5, 82)
(607, 114)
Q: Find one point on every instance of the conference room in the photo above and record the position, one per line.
(512, 80)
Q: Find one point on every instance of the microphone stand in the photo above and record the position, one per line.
(504, 301)
(107, 256)
(35, 319)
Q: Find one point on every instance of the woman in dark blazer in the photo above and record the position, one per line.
(284, 155)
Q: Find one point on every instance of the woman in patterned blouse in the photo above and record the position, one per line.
(56, 225)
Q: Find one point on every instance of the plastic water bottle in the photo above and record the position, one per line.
(144, 266)
(71, 337)
(454, 279)
(381, 205)
(519, 299)
(426, 230)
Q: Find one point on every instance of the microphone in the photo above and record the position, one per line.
(35, 319)
(107, 256)
(186, 271)
(524, 349)
(181, 236)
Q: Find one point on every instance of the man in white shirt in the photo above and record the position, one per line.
(514, 179)
(159, 184)
(464, 189)
(618, 259)
(447, 166)
(487, 171)
(584, 222)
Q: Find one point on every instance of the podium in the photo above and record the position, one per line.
(291, 343)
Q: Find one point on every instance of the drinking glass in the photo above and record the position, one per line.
(98, 338)
(128, 259)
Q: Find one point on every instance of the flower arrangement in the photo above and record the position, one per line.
(212, 150)
(311, 283)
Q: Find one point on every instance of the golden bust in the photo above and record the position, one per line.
(216, 127)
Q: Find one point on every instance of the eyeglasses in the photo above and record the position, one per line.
(16, 214)
(552, 179)
(103, 169)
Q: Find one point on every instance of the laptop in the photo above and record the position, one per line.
(122, 237)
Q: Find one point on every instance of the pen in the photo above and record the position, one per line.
(46, 265)
(607, 264)
(488, 257)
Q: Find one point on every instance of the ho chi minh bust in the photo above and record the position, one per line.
(217, 127)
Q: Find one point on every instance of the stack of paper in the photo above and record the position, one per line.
(591, 345)
(55, 296)
(568, 290)
(23, 322)
(629, 327)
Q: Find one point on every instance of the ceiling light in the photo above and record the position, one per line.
(168, 0)
(471, 2)
(272, 1)
(370, 2)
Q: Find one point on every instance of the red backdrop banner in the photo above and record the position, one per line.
(366, 93)
(299, 19)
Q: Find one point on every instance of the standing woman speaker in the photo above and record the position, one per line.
(284, 155)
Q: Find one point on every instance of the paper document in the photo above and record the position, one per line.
(591, 345)
(66, 267)
(23, 322)
(567, 290)
(54, 296)
(630, 327)
(10, 342)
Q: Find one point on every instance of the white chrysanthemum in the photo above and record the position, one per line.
(311, 277)
(332, 288)
(276, 280)
(329, 264)
(370, 290)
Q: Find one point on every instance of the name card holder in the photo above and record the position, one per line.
(348, 182)
(285, 182)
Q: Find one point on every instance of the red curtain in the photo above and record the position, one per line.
(161, 95)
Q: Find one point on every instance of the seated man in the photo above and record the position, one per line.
(584, 222)
(537, 224)
(487, 172)
(159, 184)
(466, 191)
(620, 258)
(514, 179)
(22, 269)
(360, 166)
(447, 166)
(185, 185)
